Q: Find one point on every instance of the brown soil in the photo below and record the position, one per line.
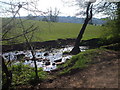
(102, 73)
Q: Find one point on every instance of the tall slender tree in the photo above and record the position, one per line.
(76, 48)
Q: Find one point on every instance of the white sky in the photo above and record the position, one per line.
(66, 7)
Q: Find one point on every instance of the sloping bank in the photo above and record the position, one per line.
(95, 68)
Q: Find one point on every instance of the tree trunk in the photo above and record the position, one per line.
(76, 48)
(8, 76)
(33, 54)
(36, 71)
(32, 51)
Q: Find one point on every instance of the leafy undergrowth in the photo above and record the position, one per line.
(79, 61)
(24, 74)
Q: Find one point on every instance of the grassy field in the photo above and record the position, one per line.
(53, 31)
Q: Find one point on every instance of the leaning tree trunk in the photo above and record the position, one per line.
(76, 48)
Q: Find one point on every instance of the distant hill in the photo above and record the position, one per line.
(64, 19)
(80, 20)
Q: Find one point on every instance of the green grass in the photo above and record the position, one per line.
(24, 74)
(79, 61)
(53, 31)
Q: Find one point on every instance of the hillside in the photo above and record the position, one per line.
(52, 31)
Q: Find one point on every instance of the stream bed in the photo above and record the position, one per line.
(47, 59)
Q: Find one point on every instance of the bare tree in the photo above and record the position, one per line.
(91, 9)
(29, 44)
(16, 21)
(53, 14)
(76, 48)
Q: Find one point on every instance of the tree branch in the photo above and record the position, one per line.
(87, 11)
(20, 34)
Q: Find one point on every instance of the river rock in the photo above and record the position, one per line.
(46, 54)
(47, 63)
(60, 60)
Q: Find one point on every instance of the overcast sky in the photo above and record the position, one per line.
(66, 7)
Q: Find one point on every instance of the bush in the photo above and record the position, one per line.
(110, 32)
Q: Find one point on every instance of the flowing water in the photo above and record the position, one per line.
(48, 60)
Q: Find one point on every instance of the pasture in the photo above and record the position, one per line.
(52, 31)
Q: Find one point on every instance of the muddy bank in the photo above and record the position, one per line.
(50, 44)
(38, 45)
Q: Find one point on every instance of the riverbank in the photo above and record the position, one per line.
(101, 73)
(50, 44)
(103, 63)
